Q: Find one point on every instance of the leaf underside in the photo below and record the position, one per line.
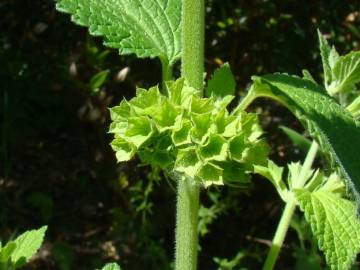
(335, 225)
(333, 127)
(147, 28)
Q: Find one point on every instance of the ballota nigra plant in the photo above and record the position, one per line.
(192, 136)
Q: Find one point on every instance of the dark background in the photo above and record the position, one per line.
(56, 166)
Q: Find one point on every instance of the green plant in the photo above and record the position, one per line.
(18, 252)
(111, 266)
(198, 142)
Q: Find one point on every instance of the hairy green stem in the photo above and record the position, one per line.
(192, 69)
(187, 224)
(192, 66)
(279, 237)
(288, 212)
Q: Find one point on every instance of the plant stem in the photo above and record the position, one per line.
(192, 70)
(280, 235)
(166, 69)
(288, 212)
(187, 224)
(246, 101)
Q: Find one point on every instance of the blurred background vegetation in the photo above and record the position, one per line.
(56, 166)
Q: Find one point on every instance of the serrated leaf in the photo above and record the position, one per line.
(345, 74)
(147, 28)
(222, 83)
(27, 245)
(297, 139)
(331, 125)
(325, 53)
(334, 223)
(307, 76)
(111, 266)
(333, 57)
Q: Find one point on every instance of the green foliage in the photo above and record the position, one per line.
(207, 215)
(333, 221)
(111, 266)
(196, 137)
(28, 56)
(232, 264)
(274, 173)
(332, 218)
(297, 139)
(148, 28)
(326, 121)
(222, 82)
(18, 252)
(341, 73)
(98, 80)
(346, 73)
(306, 252)
(354, 108)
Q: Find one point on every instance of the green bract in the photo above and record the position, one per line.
(182, 132)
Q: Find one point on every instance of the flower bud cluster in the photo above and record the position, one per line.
(187, 134)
